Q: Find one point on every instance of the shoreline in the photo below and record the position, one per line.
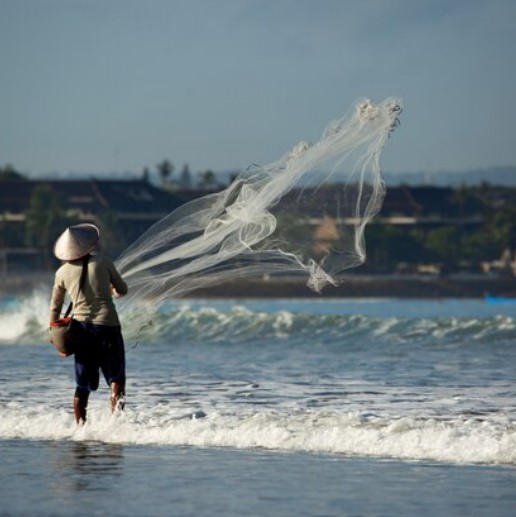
(351, 286)
(368, 286)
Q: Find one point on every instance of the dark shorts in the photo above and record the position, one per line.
(106, 353)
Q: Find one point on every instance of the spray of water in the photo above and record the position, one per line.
(303, 214)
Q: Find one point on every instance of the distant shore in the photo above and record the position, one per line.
(351, 286)
(365, 286)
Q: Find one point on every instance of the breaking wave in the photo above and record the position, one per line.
(24, 321)
(228, 375)
(353, 434)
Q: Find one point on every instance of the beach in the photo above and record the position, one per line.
(269, 407)
(94, 478)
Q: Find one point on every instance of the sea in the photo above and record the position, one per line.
(275, 407)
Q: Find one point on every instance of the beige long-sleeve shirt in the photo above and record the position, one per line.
(94, 302)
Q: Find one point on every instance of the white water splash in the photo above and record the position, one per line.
(456, 441)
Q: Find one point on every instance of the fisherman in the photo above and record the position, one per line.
(93, 307)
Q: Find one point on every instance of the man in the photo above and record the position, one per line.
(93, 307)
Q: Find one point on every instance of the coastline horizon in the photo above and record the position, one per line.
(355, 285)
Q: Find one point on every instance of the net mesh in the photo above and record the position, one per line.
(303, 214)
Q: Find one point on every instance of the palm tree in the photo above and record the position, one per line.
(165, 169)
(186, 177)
(208, 180)
(146, 174)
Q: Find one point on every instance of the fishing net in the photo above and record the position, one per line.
(304, 214)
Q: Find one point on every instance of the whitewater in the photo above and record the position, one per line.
(408, 380)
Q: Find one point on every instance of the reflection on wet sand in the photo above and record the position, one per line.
(87, 466)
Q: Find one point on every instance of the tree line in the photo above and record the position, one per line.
(451, 247)
(186, 180)
(206, 180)
(389, 247)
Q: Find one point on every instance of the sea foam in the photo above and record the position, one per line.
(352, 434)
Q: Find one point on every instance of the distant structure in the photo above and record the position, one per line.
(124, 209)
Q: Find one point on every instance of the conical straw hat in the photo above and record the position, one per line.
(76, 241)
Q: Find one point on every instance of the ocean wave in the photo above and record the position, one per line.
(25, 321)
(458, 440)
(241, 324)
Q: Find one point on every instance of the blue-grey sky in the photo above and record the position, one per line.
(99, 86)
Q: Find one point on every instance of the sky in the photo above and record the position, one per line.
(108, 86)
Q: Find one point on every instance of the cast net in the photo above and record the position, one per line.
(304, 214)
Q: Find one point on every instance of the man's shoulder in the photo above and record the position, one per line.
(64, 273)
(62, 269)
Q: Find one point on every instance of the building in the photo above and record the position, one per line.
(123, 208)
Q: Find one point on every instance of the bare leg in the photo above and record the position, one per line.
(80, 403)
(117, 395)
